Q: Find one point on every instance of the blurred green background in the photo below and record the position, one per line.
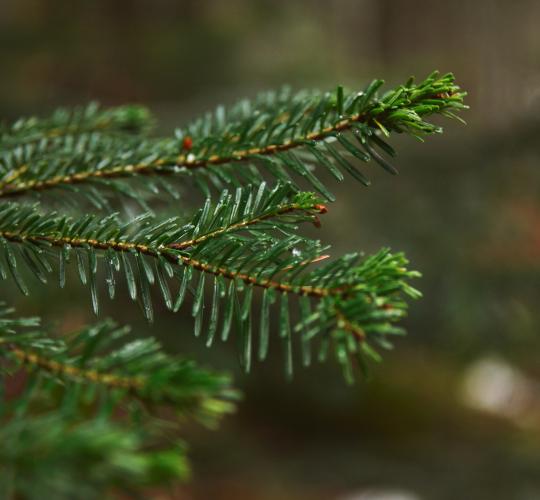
(454, 411)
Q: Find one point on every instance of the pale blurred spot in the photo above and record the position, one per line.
(495, 386)
(381, 494)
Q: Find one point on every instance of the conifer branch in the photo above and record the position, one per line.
(67, 459)
(65, 123)
(245, 248)
(283, 209)
(359, 298)
(269, 137)
(172, 257)
(138, 369)
(306, 206)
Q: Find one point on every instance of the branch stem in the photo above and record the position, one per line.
(175, 258)
(52, 366)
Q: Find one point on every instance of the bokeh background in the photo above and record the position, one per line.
(454, 411)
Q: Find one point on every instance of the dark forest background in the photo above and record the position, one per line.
(454, 411)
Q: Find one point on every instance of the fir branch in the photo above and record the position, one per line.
(65, 415)
(138, 369)
(64, 123)
(233, 241)
(268, 137)
(245, 248)
(62, 458)
(280, 210)
(63, 232)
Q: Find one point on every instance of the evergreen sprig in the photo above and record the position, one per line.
(65, 124)
(279, 134)
(248, 241)
(95, 458)
(241, 257)
(96, 371)
(138, 371)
